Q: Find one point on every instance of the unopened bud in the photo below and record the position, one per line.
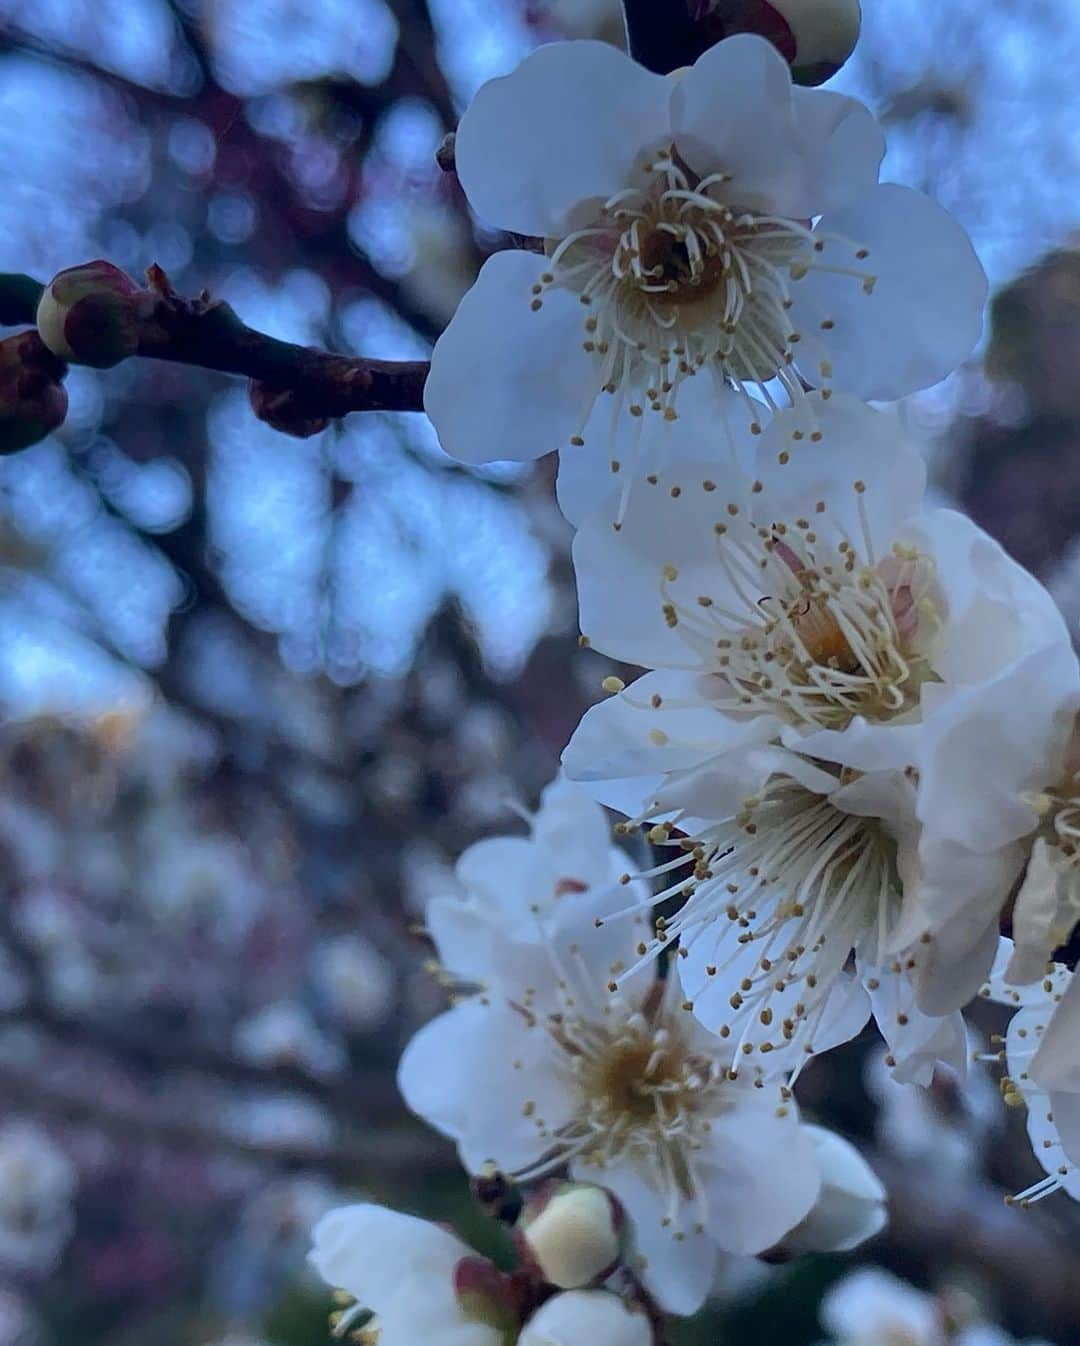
(815, 37)
(572, 1233)
(851, 1204)
(92, 314)
(824, 33)
(587, 1318)
(487, 1295)
(33, 402)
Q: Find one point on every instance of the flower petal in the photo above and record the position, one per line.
(481, 1050)
(1056, 1064)
(574, 831)
(841, 136)
(621, 451)
(367, 1249)
(916, 1041)
(624, 594)
(732, 112)
(507, 382)
(677, 1260)
(586, 1318)
(1015, 727)
(760, 1171)
(857, 444)
(925, 313)
(569, 124)
(628, 735)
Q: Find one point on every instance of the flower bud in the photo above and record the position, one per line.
(824, 34)
(33, 401)
(815, 37)
(487, 1295)
(92, 314)
(587, 1318)
(571, 1233)
(851, 1204)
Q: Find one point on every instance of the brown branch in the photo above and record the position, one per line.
(296, 389)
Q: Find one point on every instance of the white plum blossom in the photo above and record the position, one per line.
(586, 1318)
(546, 1065)
(37, 1190)
(851, 1204)
(812, 589)
(718, 223)
(402, 1271)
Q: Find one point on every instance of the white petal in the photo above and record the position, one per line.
(367, 1249)
(507, 382)
(732, 112)
(995, 610)
(857, 445)
(511, 876)
(712, 428)
(1014, 729)
(567, 125)
(586, 1318)
(573, 830)
(916, 1041)
(628, 736)
(850, 1207)
(465, 936)
(842, 137)
(1056, 1064)
(620, 573)
(761, 1171)
(840, 1018)
(478, 1051)
(679, 1260)
(1066, 1110)
(956, 962)
(925, 313)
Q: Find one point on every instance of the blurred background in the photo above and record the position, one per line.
(257, 693)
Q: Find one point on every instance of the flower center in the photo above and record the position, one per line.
(644, 1092)
(676, 276)
(809, 627)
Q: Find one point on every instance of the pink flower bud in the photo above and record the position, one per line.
(92, 314)
(571, 1233)
(33, 401)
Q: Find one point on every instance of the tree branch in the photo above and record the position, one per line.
(296, 388)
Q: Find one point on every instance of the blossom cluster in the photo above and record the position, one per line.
(851, 755)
